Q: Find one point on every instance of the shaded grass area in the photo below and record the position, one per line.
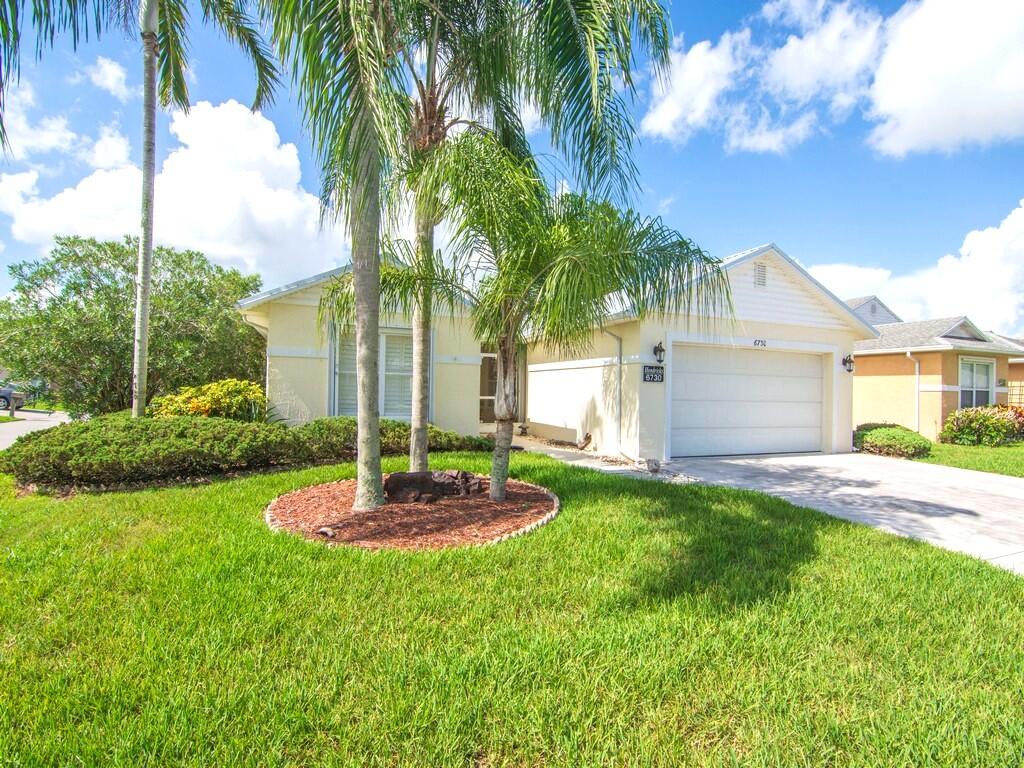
(8, 419)
(648, 625)
(1003, 459)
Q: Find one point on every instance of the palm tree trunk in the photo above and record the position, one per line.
(140, 362)
(421, 324)
(364, 224)
(504, 416)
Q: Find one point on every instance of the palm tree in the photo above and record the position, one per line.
(353, 61)
(162, 25)
(555, 268)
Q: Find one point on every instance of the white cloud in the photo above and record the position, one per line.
(107, 75)
(984, 280)
(832, 59)
(765, 135)
(665, 205)
(689, 98)
(530, 116)
(231, 190)
(111, 150)
(800, 13)
(27, 138)
(950, 76)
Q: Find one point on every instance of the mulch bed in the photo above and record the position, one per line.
(451, 521)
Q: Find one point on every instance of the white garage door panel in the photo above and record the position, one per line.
(736, 401)
(731, 387)
(751, 415)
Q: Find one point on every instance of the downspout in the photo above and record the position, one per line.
(618, 398)
(917, 392)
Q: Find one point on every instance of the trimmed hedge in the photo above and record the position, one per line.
(228, 398)
(114, 450)
(891, 440)
(985, 425)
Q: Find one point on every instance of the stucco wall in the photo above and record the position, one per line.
(297, 365)
(570, 396)
(884, 388)
(1015, 380)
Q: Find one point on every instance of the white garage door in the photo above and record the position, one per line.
(735, 401)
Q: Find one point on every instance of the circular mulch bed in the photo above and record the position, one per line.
(324, 513)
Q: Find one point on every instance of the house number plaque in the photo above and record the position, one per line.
(654, 373)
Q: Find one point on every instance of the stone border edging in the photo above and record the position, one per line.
(276, 527)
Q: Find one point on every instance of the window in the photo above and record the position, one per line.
(976, 379)
(395, 377)
(488, 386)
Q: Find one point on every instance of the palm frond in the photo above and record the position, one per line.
(234, 21)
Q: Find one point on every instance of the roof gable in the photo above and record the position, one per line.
(769, 286)
(957, 333)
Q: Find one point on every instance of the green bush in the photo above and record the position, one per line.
(114, 450)
(986, 425)
(110, 451)
(228, 399)
(891, 440)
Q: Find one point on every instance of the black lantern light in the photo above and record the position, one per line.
(659, 353)
(848, 363)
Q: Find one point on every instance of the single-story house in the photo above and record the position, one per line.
(770, 377)
(917, 373)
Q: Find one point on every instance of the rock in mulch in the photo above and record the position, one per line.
(324, 513)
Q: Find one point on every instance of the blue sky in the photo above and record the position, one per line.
(847, 133)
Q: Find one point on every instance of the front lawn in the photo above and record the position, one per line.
(1003, 459)
(8, 419)
(647, 625)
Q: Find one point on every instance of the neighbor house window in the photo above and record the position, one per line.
(976, 379)
(395, 376)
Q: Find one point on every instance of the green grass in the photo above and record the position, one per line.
(647, 625)
(1003, 459)
(8, 419)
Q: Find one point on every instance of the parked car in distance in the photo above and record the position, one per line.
(9, 395)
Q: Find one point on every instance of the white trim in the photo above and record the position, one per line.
(975, 360)
(1015, 360)
(458, 359)
(320, 354)
(781, 345)
(1003, 390)
(592, 362)
(940, 388)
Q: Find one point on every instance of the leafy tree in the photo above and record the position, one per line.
(163, 28)
(68, 321)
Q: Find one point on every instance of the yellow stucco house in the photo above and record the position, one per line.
(917, 373)
(1015, 375)
(770, 378)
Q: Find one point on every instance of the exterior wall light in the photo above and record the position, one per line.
(848, 363)
(659, 353)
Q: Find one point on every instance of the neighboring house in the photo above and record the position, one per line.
(1015, 375)
(871, 310)
(770, 378)
(917, 373)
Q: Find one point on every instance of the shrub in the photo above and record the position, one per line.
(887, 439)
(863, 429)
(109, 451)
(895, 441)
(986, 425)
(115, 450)
(334, 439)
(228, 399)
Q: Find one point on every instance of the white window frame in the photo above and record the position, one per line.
(989, 361)
(382, 373)
(333, 372)
(492, 398)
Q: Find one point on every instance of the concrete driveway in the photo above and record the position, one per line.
(31, 421)
(977, 513)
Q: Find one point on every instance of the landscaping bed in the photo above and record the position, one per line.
(324, 513)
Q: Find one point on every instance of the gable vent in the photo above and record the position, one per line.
(874, 308)
(760, 275)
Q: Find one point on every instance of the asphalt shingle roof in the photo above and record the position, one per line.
(929, 334)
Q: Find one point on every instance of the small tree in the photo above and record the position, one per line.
(553, 269)
(69, 321)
